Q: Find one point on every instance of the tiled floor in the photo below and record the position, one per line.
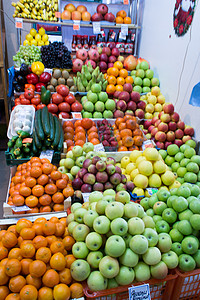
(4, 178)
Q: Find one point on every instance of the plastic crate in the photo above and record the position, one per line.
(187, 285)
(159, 290)
(15, 162)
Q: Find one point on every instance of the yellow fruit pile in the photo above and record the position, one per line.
(147, 169)
(39, 38)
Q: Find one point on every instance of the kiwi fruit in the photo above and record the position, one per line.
(73, 88)
(54, 81)
(61, 80)
(65, 74)
(51, 88)
(57, 73)
(70, 81)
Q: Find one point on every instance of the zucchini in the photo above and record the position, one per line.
(52, 127)
(45, 121)
(38, 125)
(57, 132)
(47, 143)
(60, 144)
(38, 143)
(35, 150)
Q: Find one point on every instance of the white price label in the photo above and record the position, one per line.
(76, 115)
(148, 144)
(85, 197)
(124, 29)
(76, 25)
(50, 71)
(20, 208)
(47, 154)
(96, 27)
(19, 23)
(121, 36)
(139, 292)
(99, 147)
(152, 191)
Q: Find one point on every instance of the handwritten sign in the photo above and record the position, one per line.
(76, 25)
(124, 29)
(148, 144)
(47, 154)
(99, 147)
(152, 191)
(19, 23)
(85, 197)
(96, 27)
(58, 14)
(20, 208)
(76, 115)
(140, 292)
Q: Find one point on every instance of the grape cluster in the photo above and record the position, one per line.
(56, 55)
(27, 55)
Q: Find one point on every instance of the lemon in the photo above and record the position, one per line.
(40, 43)
(34, 42)
(45, 38)
(26, 43)
(46, 43)
(29, 37)
(130, 167)
(134, 155)
(125, 161)
(33, 32)
(38, 37)
(145, 168)
(41, 31)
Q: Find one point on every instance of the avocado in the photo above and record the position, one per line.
(65, 74)
(54, 81)
(51, 88)
(57, 73)
(70, 81)
(61, 80)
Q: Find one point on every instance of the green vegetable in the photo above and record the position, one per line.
(22, 134)
(17, 152)
(36, 140)
(18, 143)
(14, 138)
(45, 121)
(52, 128)
(57, 132)
(10, 144)
(35, 150)
(60, 144)
(38, 125)
(26, 150)
(45, 95)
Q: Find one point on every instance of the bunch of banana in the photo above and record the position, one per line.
(36, 9)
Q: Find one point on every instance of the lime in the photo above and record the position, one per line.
(37, 37)
(41, 31)
(34, 42)
(47, 43)
(26, 43)
(45, 38)
(33, 32)
(29, 37)
(40, 43)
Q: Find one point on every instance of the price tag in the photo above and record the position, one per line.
(19, 23)
(85, 197)
(126, 2)
(121, 36)
(152, 191)
(20, 208)
(99, 147)
(50, 71)
(148, 144)
(47, 154)
(76, 25)
(124, 29)
(58, 14)
(139, 292)
(76, 115)
(96, 27)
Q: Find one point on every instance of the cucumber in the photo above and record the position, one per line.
(38, 143)
(57, 132)
(38, 125)
(45, 121)
(47, 143)
(52, 127)
(35, 150)
(60, 144)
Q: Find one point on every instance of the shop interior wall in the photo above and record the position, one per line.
(175, 60)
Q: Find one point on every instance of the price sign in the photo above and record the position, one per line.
(50, 71)
(76, 115)
(147, 144)
(58, 14)
(139, 292)
(76, 25)
(19, 23)
(86, 197)
(126, 2)
(47, 154)
(96, 27)
(124, 29)
(152, 191)
(20, 208)
(99, 147)
(121, 36)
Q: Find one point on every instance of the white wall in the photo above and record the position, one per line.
(166, 56)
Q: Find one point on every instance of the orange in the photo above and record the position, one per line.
(31, 201)
(3, 276)
(57, 261)
(18, 200)
(61, 292)
(38, 190)
(111, 89)
(27, 233)
(121, 13)
(23, 223)
(28, 250)
(46, 208)
(3, 262)
(49, 228)
(56, 175)
(69, 259)
(25, 263)
(60, 229)
(58, 207)
(120, 80)
(95, 141)
(127, 20)
(68, 242)
(37, 268)
(119, 20)
(45, 199)
(58, 198)
(80, 129)
(77, 123)
(68, 123)
(50, 278)
(125, 132)
(119, 88)
(3, 252)
(30, 181)
(35, 281)
(50, 189)
(61, 184)
(129, 79)
(65, 276)
(79, 143)
(43, 179)
(4, 292)
(122, 126)
(105, 76)
(68, 136)
(92, 129)
(28, 292)
(122, 148)
(57, 246)
(13, 296)
(114, 72)
(69, 129)
(17, 283)
(123, 73)
(118, 65)
(138, 140)
(35, 172)
(68, 192)
(93, 135)
(12, 229)
(39, 241)
(86, 123)
(45, 293)
(76, 290)
(13, 267)
(43, 254)
(127, 141)
(9, 240)
(112, 80)
(35, 164)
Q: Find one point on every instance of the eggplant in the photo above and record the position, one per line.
(24, 70)
(21, 80)
(19, 88)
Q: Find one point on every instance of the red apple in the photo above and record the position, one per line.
(76, 107)
(110, 18)
(64, 115)
(170, 136)
(103, 57)
(103, 65)
(139, 113)
(181, 125)
(154, 131)
(135, 96)
(163, 127)
(160, 145)
(115, 52)
(172, 126)
(160, 136)
(121, 105)
(168, 108)
(124, 96)
(165, 118)
(116, 94)
(157, 123)
(96, 17)
(141, 104)
(178, 142)
(110, 65)
(175, 117)
(129, 112)
(102, 9)
(154, 120)
(179, 134)
(147, 123)
(118, 114)
(186, 138)
(112, 59)
(167, 144)
(106, 50)
(128, 87)
(189, 130)
(131, 105)
(151, 127)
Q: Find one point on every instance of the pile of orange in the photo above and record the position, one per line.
(80, 132)
(117, 76)
(39, 185)
(121, 18)
(128, 133)
(35, 261)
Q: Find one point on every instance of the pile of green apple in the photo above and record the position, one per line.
(183, 161)
(144, 78)
(117, 242)
(177, 217)
(97, 105)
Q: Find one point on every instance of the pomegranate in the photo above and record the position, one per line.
(93, 54)
(92, 63)
(77, 65)
(81, 54)
(130, 63)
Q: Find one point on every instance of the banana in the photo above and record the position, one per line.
(33, 16)
(14, 4)
(21, 1)
(34, 11)
(20, 5)
(26, 11)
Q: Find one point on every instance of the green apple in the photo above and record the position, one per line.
(144, 65)
(196, 159)
(175, 166)
(172, 149)
(135, 226)
(190, 245)
(79, 214)
(184, 227)
(79, 161)
(175, 235)
(95, 196)
(69, 163)
(87, 115)
(71, 226)
(148, 222)
(99, 106)
(129, 258)
(150, 212)
(152, 256)
(112, 283)
(149, 73)
(96, 88)
(126, 275)
(192, 167)
(163, 153)
(96, 281)
(119, 226)
(163, 195)
(185, 215)
(139, 244)
(140, 73)
(159, 207)
(103, 96)
(115, 246)
(77, 151)
(184, 191)
(92, 97)
(184, 147)
(110, 105)
(108, 114)
(130, 210)
(195, 221)
(109, 192)
(88, 106)
(159, 271)
(170, 259)
(186, 262)
(87, 147)
(162, 226)
(169, 160)
(97, 115)
(142, 272)
(176, 247)
(127, 237)
(146, 82)
(190, 177)
(179, 156)
(80, 250)
(75, 206)
(153, 199)
(195, 206)
(80, 232)
(196, 257)
(80, 270)
(169, 215)
(101, 206)
(157, 218)
(191, 143)
(74, 170)
(164, 242)
(114, 210)
(101, 224)
(195, 190)
(184, 162)
(189, 152)
(170, 200)
(93, 241)
(89, 217)
(109, 267)
(145, 203)
(151, 236)
(140, 210)
(180, 204)
(180, 179)
(94, 259)
(137, 88)
(137, 81)
(146, 89)
(181, 171)
(133, 73)
(123, 197)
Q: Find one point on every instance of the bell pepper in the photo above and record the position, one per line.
(29, 87)
(45, 96)
(38, 86)
(45, 77)
(32, 78)
(37, 68)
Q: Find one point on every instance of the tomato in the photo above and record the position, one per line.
(21, 96)
(37, 96)
(40, 106)
(64, 107)
(34, 106)
(76, 106)
(29, 94)
(52, 108)
(57, 98)
(70, 99)
(62, 90)
(35, 101)
(25, 101)
(64, 115)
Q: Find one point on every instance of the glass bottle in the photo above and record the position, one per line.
(129, 44)
(120, 44)
(85, 43)
(111, 37)
(93, 42)
(101, 42)
(74, 43)
(78, 43)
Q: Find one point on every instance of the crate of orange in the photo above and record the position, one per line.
(39, 186)
(35, 260)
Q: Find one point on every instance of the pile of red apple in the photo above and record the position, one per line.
(167, 128)
(105, 131)
(108, 56)
(102, 14)
(128, 103)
